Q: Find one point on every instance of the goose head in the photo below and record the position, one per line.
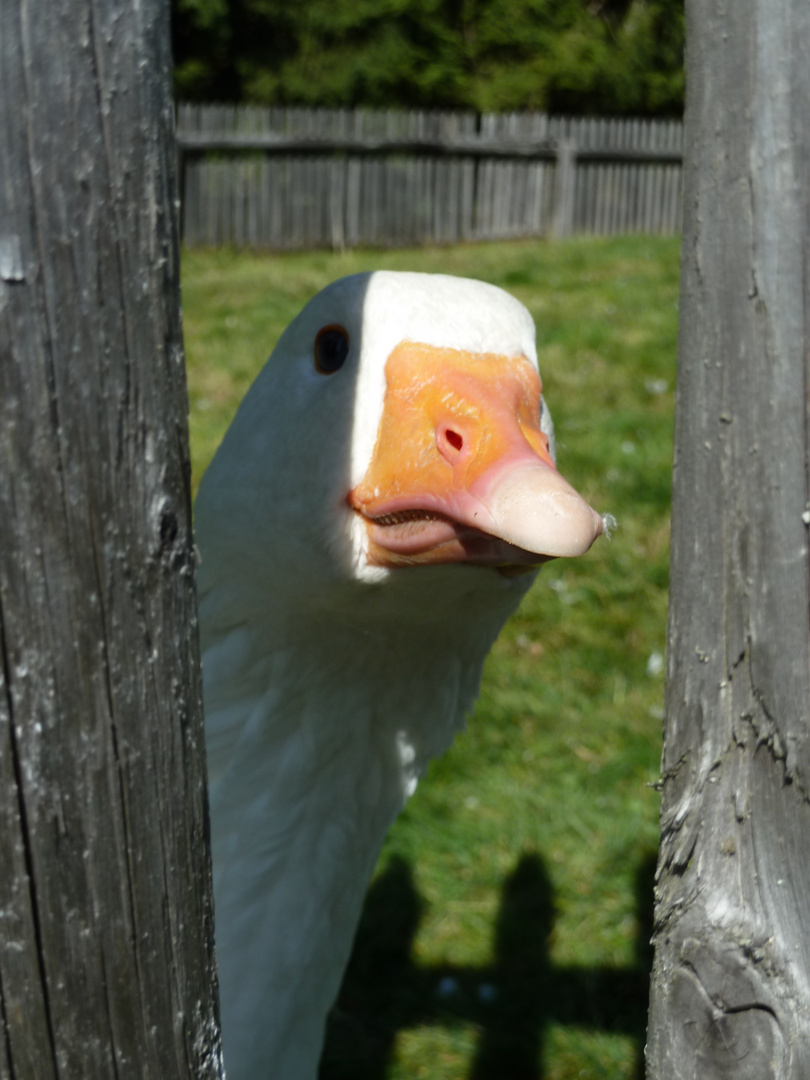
(399, 424)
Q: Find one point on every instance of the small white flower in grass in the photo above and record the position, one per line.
(655, 664)
(656, 386)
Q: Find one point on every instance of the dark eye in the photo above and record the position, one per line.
(331, 349)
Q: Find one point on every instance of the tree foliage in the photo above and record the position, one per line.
(601, 56)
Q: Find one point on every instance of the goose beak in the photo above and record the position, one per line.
(461, 471)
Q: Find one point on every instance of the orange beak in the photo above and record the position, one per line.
(461, 471)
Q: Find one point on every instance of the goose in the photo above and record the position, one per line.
(376, 511)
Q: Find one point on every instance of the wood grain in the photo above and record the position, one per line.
(106, 934)
(731, 982)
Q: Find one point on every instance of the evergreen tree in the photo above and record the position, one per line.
(602, 56)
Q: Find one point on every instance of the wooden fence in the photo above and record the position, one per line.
(297, 178)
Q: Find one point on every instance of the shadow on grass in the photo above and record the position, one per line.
(511, 1001)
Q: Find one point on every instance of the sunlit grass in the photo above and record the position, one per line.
(551, 784)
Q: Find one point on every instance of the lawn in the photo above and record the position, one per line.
(506, 931)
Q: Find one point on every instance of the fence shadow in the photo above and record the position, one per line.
(511, 1001)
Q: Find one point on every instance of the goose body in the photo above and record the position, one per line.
(373, 516)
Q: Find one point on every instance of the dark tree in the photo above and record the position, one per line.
(105, 905)
(597, 56)
(731, 980)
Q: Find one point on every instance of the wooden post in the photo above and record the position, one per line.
(731, 980)
(338, 167)
(564, 188)
(106, 936)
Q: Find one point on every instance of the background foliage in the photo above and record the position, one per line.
(571, 56)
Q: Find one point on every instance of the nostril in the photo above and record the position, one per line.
(454, 439)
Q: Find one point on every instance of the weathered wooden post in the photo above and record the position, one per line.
(105, 904)
(731, 980)
(565, 179)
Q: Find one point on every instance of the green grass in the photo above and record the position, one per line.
(523, 862)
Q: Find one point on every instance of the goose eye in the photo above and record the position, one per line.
(331, 349)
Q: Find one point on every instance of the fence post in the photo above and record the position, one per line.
(562, 222)
(731, 981)
(106, 914)
(337, 202)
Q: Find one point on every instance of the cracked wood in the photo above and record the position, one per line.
(106, 936)
(731, 979)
